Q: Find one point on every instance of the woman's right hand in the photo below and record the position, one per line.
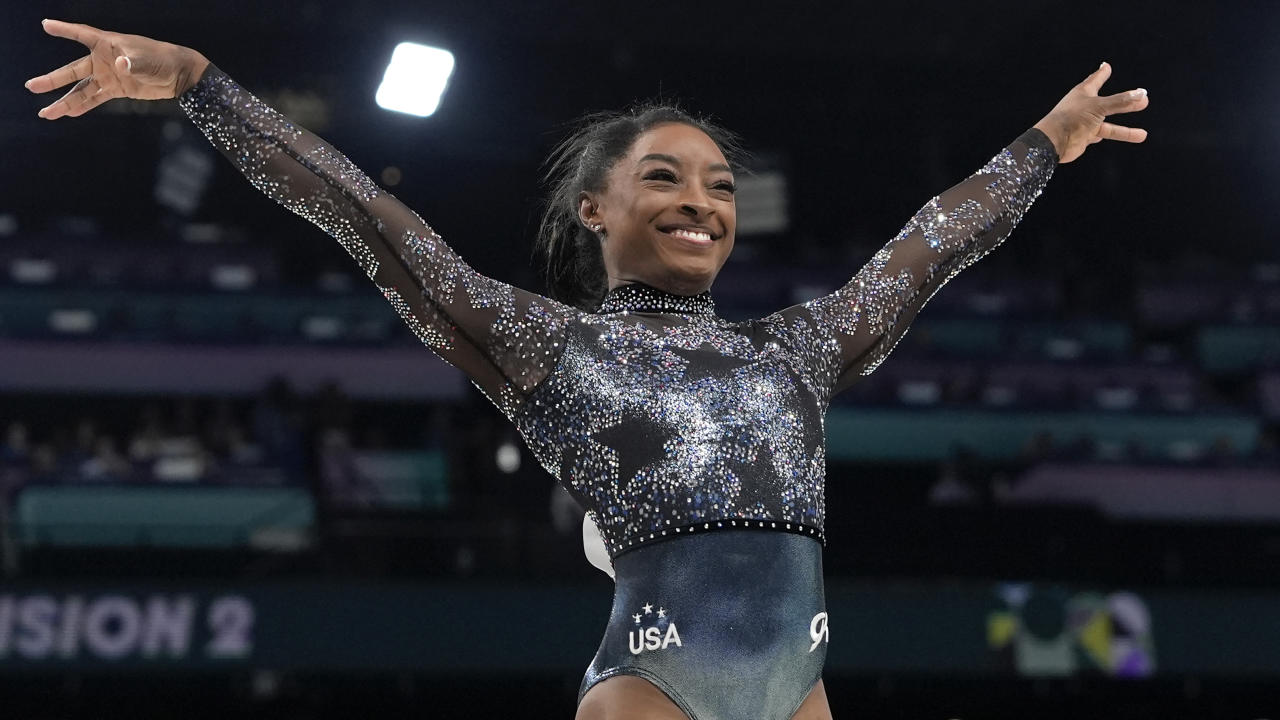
(117, 65)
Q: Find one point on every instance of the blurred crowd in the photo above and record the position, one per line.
(177, 439)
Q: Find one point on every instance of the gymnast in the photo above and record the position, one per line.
(695, 444)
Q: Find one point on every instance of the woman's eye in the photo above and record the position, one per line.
(727, 187)
(664, 175)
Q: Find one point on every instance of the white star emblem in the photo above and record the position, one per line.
(648, 609)
(637, 617)
(662, 612)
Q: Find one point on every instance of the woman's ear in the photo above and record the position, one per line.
(589, 211)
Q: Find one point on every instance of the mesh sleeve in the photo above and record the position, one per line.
(505, 339)
(853, 329)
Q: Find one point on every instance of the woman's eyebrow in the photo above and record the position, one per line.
(676, 161)
(660, 156)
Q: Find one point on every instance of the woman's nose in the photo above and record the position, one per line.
(695, 206)
(694, 201)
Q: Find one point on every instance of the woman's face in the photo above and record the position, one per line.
(667, 211)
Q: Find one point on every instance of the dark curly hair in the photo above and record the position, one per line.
(570, 253)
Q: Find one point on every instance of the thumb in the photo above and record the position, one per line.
(137, 66)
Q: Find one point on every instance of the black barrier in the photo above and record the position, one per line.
(969, 628)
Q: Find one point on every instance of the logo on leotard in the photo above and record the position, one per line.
(818, 630)
(657, 637)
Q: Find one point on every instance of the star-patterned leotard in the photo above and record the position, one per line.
(665, 421)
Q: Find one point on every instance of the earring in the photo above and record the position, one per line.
(595, 228)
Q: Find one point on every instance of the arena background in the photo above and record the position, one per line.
(233, 485)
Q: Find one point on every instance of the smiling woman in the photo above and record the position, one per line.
(695, 444)
(671, 201)
(618, 166)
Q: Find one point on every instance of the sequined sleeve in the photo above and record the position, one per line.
(849, 332)
(504, 339)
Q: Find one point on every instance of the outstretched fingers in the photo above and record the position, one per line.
(1125, 102)
(1111, 131)
(84, 34)
(1131, 101)
(82, 98)
(65, 75)
(1080, 118)
(1095, 81)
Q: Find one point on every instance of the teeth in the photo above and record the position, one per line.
(694, 235)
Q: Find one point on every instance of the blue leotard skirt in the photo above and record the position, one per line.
(729, 624)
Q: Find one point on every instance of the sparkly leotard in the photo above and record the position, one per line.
(665, 421)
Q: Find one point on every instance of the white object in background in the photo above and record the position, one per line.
(415, 79)
(593, 546)
(507, 457)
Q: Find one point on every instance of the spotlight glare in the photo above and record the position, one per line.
(415, 79)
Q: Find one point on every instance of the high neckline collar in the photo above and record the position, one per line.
(638, 297)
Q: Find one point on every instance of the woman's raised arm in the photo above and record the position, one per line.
(858, 325)
(505, 339)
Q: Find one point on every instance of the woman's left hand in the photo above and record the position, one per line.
(1080, 118)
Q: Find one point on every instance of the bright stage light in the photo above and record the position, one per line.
(415, 79)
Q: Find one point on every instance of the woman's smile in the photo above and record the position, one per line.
(697, 236)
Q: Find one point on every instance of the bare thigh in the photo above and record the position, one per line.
(627, 697)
